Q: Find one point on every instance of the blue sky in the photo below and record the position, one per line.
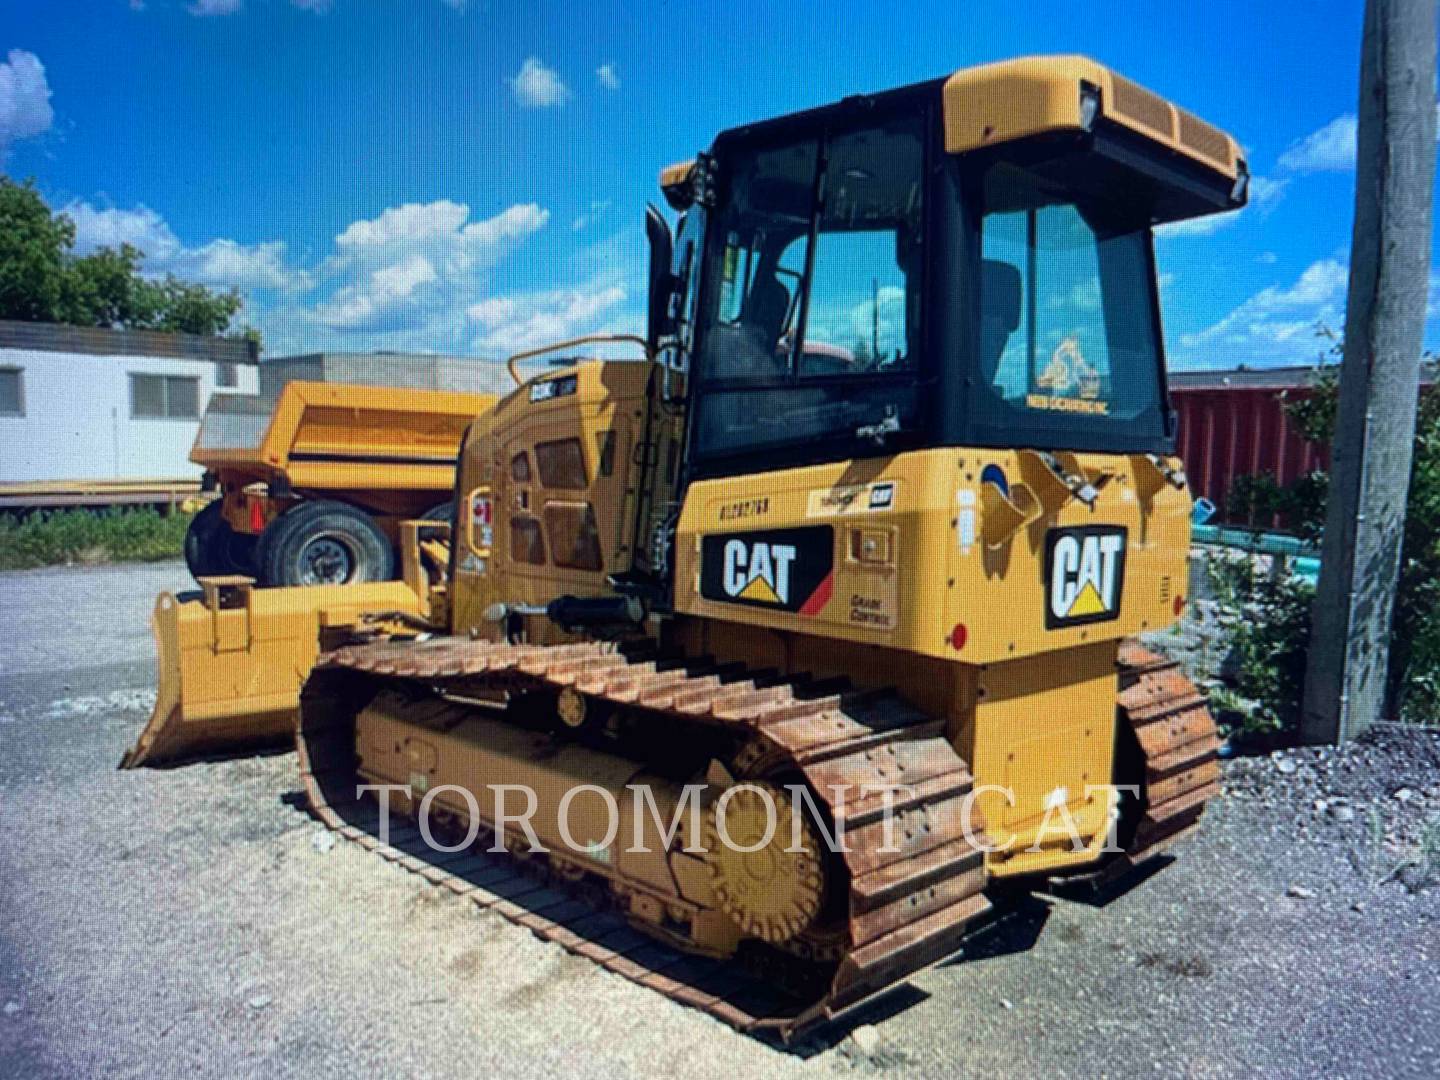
(444, 175)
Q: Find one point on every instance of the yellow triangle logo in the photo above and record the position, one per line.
(759, 589)
(1087, 603)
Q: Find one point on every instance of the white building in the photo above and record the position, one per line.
(419, 371)
(80, 403)
(87, 404)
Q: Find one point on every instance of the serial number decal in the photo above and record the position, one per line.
(745, 508)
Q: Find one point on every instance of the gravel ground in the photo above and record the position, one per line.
(186, 921)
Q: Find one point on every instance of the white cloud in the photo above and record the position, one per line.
(442, 231)
(229, 7)
(493, 311)
(539, 87)
(404, 278)
(24, 99)
(608, 77)
(442, 221)
(515, 322)
(141, 227)
(584, 220)
(383, 293)
(1265, 194)
(512, 224)
(1277, 324)
(414, 277)
(409, 223)
(241, 266)
(1331, 149)
(220, 263)
(1164, 283)
(1267, 258)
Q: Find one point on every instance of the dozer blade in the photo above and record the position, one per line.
(231, 664)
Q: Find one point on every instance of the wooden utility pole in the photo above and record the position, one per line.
(1379, 376)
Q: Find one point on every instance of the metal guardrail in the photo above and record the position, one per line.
(1290, 554)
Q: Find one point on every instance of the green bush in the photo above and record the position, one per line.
(1413, 679)
(1269, 638)
(69, 536)
(1258, 500)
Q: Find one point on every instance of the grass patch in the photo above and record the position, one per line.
(62, 537)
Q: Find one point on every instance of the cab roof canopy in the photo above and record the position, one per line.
(1193, 167)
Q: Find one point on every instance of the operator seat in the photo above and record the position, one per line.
(766, 308)
(748, 349)
(999, 313)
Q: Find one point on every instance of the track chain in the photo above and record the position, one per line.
(907, 908)
(1171, 721)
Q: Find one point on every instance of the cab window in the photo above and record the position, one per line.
(1066, 323)
(859, 318)
(814, 319)
(766, 225)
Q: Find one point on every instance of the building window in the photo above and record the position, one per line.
(171, 397)
(12, 391)
(227, 375)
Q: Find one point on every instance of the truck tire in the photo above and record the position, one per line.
(214, 549)
(324, 543)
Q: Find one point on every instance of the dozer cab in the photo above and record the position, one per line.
(868, 529)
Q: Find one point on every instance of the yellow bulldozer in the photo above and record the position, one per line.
(860, 539)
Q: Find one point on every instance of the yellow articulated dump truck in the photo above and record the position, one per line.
(858, 547)
(314, 485)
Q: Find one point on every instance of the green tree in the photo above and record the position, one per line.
(33, 247)
(193, 309)
(43, 280)
(104, 288)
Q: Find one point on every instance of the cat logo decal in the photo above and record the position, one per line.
(1084, 574)
(784, 569)
(758, 571)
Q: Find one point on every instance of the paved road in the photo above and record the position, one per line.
(184, 922)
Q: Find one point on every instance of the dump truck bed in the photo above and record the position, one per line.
(339, 437)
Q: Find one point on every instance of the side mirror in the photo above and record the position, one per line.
(659, 322)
